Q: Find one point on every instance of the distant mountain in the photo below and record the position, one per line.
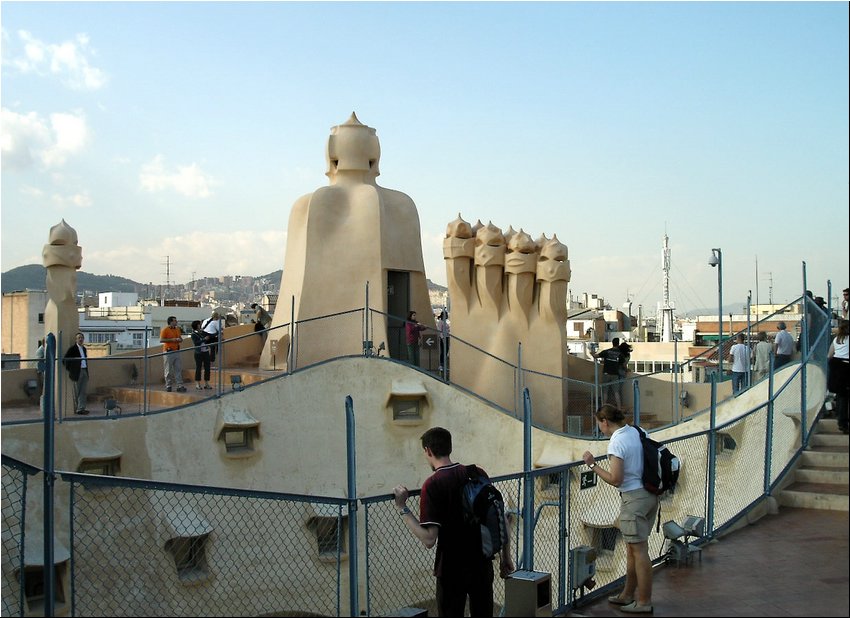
(33, 277)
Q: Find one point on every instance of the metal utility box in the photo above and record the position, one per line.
(528, 593)
(582, 565)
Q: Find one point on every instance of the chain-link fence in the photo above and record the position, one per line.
(16, 476)
(161, 549)
(149, 548)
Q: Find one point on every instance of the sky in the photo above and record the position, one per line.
(184, 132)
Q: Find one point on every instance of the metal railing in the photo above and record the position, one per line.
(138, 378)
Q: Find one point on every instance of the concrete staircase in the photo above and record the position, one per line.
(821, 479)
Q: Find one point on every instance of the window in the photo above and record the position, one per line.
(408, 402)
(138, 340)
(724, 442)
(238, 431)
(605, 539)
(41, 318)
(34, 587)
(330, 535)
(189, 557)
(406, 409)
(238, 440)
(105, 466)
(549, 481)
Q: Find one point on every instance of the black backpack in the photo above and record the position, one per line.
(484, 512)
(660, 466)
(611, 362)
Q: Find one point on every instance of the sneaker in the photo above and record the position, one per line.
(207, 387)
(181, 389)
(198, 387)
(167, 389)
(634, 608)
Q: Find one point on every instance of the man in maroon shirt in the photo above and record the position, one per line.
(459, 566)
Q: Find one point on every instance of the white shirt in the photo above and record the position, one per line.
(841, 350)
(212, 327)
(625, 444)
(740, 354)
(81, 350)
(784, 343)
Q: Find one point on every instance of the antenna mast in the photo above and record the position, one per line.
(666, 309)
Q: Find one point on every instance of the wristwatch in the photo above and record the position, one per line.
(404, 511)
(591, 465)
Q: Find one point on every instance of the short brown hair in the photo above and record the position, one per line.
(439, 440)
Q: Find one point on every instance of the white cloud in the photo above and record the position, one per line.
(79, 200)
(203, 253)
(69, 61)
(188, 180)
(28, 138)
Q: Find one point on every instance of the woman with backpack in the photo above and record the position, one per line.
(638, 506)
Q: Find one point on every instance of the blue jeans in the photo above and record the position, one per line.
(739, 381)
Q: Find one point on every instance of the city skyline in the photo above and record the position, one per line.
(189, 129)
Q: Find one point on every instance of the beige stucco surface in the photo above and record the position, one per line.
(339, 238)
(508, 291)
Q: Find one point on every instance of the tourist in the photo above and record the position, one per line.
(783, 346)
(171, 337)
(76, 362)
(739, 355)
(212, 328)
(412, 328)
(638, 507)
(612, 363)
(443, 330)
(459, 565)
(761, 356)
(838, 381)
(202, 356)
(261, 317)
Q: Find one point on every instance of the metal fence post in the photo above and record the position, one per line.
(354, 607)
(49, 572)
(528, 493)
(636, 395)
(291, 354)
(768, 442)
(712, 455)
(367, 347)
(145, 374)
(804, 351)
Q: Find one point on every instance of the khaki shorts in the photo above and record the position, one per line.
(637, 515)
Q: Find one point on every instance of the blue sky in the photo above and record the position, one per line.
(188, 130)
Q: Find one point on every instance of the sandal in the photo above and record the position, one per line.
(618, 600)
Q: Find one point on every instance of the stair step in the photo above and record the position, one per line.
(828, 425)
(825, 458)
(831, 440)
(813, 500)
(822, 474)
